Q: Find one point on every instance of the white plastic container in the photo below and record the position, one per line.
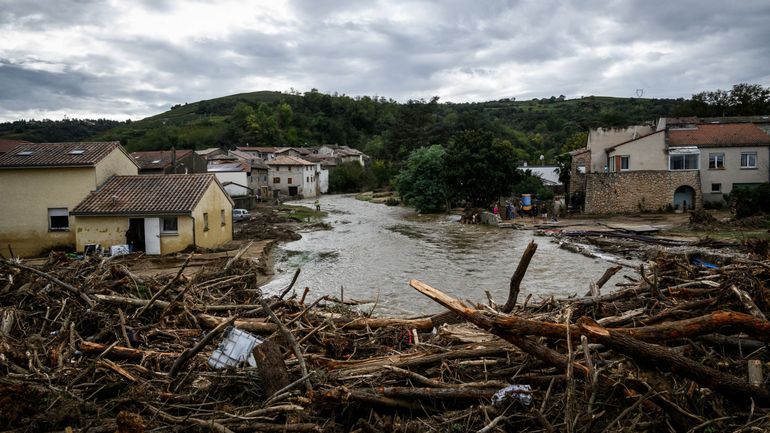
(234, 349)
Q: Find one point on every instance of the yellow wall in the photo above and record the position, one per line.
(171, 243)
(105, 231)
(26, 195)
(116, 163)
(212, 202)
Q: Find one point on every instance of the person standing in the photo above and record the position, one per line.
(317, 205)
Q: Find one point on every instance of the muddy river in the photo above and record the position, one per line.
(373, 250)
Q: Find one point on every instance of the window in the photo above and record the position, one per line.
(76, 152)
(683, 162)
(222, 217)
(205, 221)
(288, 181)
(716, 160)
(624, 162)
(716, 187)
(276, 180)
(748, 159)
(308, 179)
(58, 219)
(169, 225)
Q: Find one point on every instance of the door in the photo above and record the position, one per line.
(152, 236)
(293, 190)
(684, 198)
(135, 234)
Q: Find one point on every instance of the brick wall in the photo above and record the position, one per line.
(635, 191)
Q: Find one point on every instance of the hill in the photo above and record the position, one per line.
(381, 127)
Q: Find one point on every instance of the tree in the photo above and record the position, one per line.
(421, 183)
(350, 177)
(479, 168)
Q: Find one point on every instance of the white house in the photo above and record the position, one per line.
(234, 176)
(293, 177)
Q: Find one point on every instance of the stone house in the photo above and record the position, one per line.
(40, 184)
(682, 163)
(258, 180)
(170, 162)
(157, 214)
(293, 177)
(265, 153)
(343, 154)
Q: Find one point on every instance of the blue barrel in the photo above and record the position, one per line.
(526, 202)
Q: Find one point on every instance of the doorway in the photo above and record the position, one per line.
(293, 190)
(135, 234)
(684, 198)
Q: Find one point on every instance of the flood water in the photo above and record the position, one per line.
(374, 250)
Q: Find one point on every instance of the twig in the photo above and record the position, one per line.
(293, 280)
(518, 275)
(69, 287)
(237, 255)
(163, 290)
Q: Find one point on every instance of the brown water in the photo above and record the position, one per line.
(374, 250)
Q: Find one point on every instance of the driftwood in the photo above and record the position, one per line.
(518, 275)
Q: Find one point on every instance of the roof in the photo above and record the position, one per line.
(324, 160)
(229, 167)
(258, 149)
(343, 150)
(549, 174)
(157, 158)
(6, 145)
(301, 150)
(207, 151)
(37, 155)
(288, 160)
(169, 194)
(718, 135)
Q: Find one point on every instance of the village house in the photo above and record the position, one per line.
(170, 162)
(343, 154)
(681, 164)
(293, 177)
(234, 175)
(41, 183)
(259, 172)
(157, 214)
(210, 152)
(265, 153)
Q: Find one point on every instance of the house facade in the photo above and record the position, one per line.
(40, 184)
(235, 176)
(258, 181)
(293, 177)
(343, 154)
(157, 214)
(683, 163)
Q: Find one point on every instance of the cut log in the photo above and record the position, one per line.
(258, 326)
(123, 352)
(748, 303)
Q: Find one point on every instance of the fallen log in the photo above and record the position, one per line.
(259, 326)
(665, 359)
(123, 352)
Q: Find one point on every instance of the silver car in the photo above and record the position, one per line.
(241, 215)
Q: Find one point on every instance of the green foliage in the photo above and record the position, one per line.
(350, 177)
(742, 100)
(531, 184)
(421, 183)
(480, 168)
(751, 201)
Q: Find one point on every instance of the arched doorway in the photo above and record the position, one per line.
(684, 196)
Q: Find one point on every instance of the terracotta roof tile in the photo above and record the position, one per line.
(146, 194)
(85, 154)
(6, 145)
(717, 135)
(288, 160)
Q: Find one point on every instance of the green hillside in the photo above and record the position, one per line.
(383, 128)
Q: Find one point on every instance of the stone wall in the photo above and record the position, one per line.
(578, 178)
(637, 191)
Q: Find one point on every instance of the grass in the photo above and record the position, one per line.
(736, 235)
(300, 213)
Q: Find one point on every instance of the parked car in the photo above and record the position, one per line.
(241, 215)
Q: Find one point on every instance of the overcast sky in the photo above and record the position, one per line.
(132, 59)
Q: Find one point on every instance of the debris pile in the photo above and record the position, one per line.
(89, 346)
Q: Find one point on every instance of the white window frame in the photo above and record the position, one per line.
(626, 158)
(719, 161)
(747, 155)
(718, 190)
(684, 152)
(58, 212)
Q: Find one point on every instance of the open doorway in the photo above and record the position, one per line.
(684, 198)
(135, 234)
